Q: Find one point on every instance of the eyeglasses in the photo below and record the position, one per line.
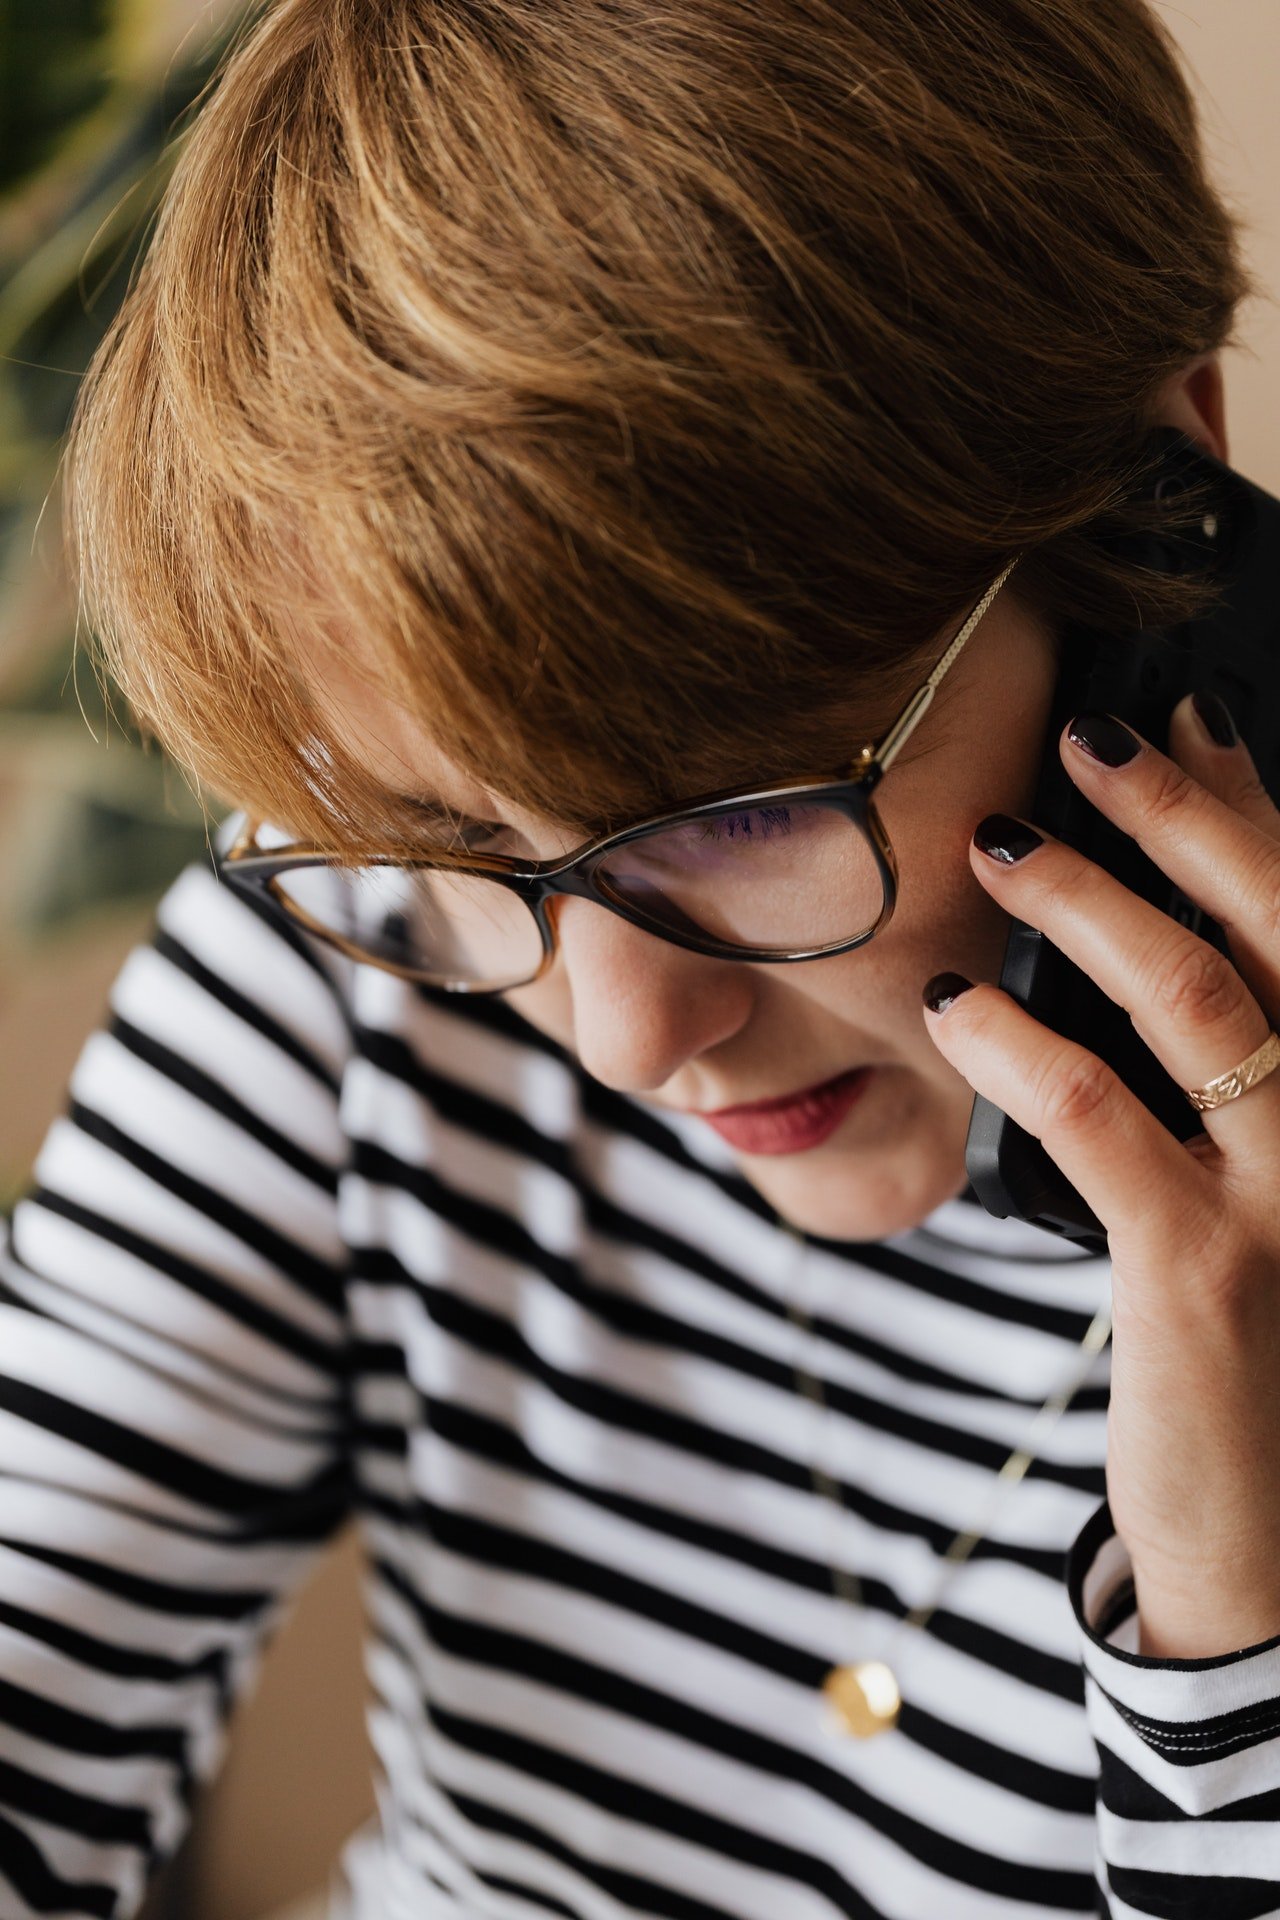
(795, 872)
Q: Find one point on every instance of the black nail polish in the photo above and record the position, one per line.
(1103, 738)
(1005, 839)
(1215, 717)
(943, 989)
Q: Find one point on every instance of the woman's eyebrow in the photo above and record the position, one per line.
(434, 812)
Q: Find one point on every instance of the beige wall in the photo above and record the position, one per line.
(1233, 47)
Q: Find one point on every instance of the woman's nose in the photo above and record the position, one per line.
(642, 1007)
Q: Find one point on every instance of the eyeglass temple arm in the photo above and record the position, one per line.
(901, 731)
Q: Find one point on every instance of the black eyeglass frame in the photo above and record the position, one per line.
(576, 875)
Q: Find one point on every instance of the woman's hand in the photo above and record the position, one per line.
(1193, 1460)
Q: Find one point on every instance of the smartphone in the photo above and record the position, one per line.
(1140, 676)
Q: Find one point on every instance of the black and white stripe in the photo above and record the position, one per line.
(310, 1242)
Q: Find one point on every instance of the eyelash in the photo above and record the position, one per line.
(760, 823)
(479, 830)
(772, 819)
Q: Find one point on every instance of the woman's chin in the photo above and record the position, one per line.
(877, 1182)
(854, 1208)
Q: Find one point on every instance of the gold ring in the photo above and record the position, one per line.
(1229, 1086)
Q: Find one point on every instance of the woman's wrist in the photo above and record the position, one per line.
(1223, 1615)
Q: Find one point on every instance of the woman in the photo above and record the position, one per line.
(529, 422)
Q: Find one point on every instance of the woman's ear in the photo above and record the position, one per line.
(1195, 401)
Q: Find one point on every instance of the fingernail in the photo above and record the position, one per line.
(1214, 716)
(943, 989)
(1103, 738)
(1005, 839)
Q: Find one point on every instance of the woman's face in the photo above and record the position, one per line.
(684, 1032)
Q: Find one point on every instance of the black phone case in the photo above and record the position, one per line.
(1139, 676)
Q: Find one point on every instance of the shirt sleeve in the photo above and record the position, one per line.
(1188, 1753)
(173, 1411)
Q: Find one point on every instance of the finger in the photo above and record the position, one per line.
(1187, 1001)
(1106, 1142)
(1219, 843)
(1206, 743)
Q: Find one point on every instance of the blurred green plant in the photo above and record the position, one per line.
(91, 92)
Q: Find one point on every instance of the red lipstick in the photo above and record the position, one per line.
(794, 1122)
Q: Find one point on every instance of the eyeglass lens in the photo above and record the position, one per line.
(446, 926)
(774, 877)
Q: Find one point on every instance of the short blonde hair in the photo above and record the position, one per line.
(636, 388)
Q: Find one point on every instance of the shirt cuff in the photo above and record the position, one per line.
(1205, 1732)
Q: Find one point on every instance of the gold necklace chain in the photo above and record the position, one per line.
(864, 1695)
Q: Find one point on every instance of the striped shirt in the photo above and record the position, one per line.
(312, 1243)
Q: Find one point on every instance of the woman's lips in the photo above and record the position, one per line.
(794, 1123)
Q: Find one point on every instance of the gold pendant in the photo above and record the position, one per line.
(864, 1698)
